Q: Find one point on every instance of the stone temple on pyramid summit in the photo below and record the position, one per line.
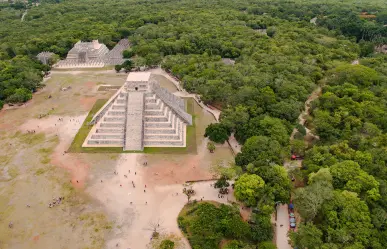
(140, 114)
(93, 55)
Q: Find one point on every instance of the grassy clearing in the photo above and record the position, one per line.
(31, 139)
(76, 145)
(98, 224)
(5, 159)
(42, 171)
(13, 171)
(45, 153)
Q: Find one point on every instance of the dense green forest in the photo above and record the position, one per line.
(280, 58)
(206, 225)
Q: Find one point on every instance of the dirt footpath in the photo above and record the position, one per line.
(282, 227)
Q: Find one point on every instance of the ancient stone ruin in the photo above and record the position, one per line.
(140, 114)
(44, 57)
(93, 55)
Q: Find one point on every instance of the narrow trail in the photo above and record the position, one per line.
(24, 14)
(304, 114)
(282, 223)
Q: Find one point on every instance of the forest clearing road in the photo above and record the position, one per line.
(282, 227)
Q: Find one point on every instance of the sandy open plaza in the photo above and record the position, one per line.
(56, 198)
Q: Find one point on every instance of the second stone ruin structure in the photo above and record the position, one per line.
(140, 114)
(93, 55)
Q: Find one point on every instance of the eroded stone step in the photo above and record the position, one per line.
(158, 124)
(158, 137)
(163, 143)
(116, 113)
(110, 131)
(159, 131)
(107, 136)
(154, 113)
(118, 107)
(111, 125)
(114, 119)
(156, 119)
(115, 142)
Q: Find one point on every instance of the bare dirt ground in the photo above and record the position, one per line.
(137, 213)
(96, 212)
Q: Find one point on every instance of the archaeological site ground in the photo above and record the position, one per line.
(42, 150)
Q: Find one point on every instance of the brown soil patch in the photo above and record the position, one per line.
(4, 125)
(167, 171)
(78, 169)
(245, 213)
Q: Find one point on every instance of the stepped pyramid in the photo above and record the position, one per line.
(140, 114)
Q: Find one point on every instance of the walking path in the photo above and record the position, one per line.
(282, 210)
(302, 117)
(24, 14)
(282, 227)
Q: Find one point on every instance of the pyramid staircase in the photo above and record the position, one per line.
(109, 131)
(162, 126)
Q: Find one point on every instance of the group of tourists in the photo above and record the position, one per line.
(56, 201)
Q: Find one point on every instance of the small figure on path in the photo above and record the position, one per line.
(135, 173)
(28, 206)
(10, 225)
(144, 190)
(126, 176)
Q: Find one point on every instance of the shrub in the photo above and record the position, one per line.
(167, 244)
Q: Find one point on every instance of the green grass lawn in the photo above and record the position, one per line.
(76, 145)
